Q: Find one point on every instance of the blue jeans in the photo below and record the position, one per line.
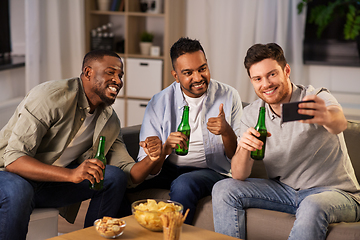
(19, 196)
(314, 208)
(187, 185)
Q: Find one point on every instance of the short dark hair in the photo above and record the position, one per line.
(259, 52)
(97, 54)
(182, 46)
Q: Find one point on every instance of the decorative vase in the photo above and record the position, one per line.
(145, 48)
(103, 5)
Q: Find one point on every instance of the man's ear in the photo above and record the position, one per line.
(175, 75)
(88, 72)
(287, 70)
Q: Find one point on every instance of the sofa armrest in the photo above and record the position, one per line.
(131, 138)
(352, 139)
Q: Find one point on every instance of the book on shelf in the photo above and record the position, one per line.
(117, 5)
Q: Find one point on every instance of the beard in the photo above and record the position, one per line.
(101, 92)
(284, 90)
(106, 100)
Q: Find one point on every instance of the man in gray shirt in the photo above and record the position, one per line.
(310, 173)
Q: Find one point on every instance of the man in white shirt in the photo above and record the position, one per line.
(214, 118)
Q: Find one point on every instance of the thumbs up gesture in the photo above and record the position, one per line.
(218, 125)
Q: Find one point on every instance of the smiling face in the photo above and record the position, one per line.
(192, 72)
(104, 80)
(271, 82)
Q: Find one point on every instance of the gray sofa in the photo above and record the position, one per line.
(261, 224)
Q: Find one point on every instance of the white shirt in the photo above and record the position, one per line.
(196, 155)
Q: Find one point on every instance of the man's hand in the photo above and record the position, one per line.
(173, 140)
(249, 141)
(218, 125)
(317, 109)
(331, 117)
(90, 169)
(152, 147)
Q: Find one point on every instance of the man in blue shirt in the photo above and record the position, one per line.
(215, 110)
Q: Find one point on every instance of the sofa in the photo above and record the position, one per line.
(261, 224)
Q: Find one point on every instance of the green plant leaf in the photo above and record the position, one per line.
(146, 37)
(352, 25)
(322, 15)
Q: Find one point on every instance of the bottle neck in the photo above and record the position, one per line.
(261, 119)
(101, 147)
(185, 117)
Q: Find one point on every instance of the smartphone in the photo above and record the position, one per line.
(290, 112)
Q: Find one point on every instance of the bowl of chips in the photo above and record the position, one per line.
(109, 227)
(147, 212)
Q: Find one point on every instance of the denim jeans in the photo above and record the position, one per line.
(314, 208)
(187, 185)
(19, 196)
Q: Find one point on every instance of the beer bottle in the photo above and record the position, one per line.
(101, 156)
(184, 128)
(261, 128)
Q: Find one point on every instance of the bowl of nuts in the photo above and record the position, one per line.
(109, 227)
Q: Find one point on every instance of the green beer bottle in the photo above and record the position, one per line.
(101, 156)
(261, 128)
(184, 128)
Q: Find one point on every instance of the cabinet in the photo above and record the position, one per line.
(167, 26)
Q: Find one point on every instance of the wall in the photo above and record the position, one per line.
(12, 81)
(344, 84)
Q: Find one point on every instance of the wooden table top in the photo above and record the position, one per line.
(133, 230)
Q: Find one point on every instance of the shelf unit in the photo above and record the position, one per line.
(167, 26)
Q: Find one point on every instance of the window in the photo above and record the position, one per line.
(5, 46)
(331, 48)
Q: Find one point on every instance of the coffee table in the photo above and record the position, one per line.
(134, 231)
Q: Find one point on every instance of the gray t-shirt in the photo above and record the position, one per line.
(303, 155)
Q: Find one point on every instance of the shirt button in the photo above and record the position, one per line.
(82, 119)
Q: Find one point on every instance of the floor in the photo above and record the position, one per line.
(65, 227)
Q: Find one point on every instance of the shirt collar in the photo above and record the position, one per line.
(83, 102)
(179, 95)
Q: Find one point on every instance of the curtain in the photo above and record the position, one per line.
(227, 28)
(54, 39)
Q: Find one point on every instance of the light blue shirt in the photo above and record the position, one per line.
(164, 112)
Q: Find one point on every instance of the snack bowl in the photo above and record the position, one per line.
(109, 227)
(147, 212)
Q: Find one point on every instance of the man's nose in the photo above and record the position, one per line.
(117, 79)
(266, 82)
(197, 76)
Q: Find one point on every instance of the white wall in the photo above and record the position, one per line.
(343, 83)
(17, 25)
(12, 81)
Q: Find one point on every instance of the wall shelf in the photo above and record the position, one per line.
(167, 26)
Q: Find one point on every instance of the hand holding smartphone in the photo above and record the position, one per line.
(290, 112)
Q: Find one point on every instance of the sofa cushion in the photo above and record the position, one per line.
(277, 225)
(148, 194)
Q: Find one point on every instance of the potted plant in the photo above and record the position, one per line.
(146, 39)
(323, 14)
